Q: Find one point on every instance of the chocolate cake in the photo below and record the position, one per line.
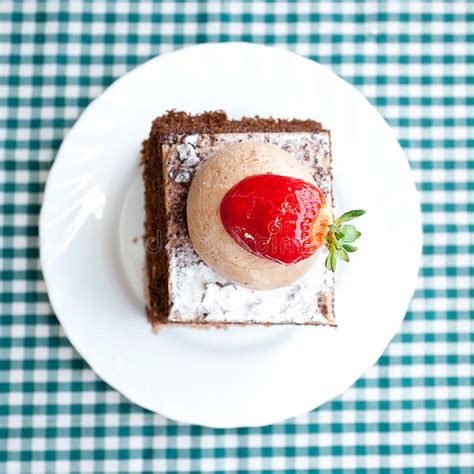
(180, 287)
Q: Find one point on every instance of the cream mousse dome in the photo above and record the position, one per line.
(213, 244)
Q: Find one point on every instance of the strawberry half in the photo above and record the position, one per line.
(286, 220)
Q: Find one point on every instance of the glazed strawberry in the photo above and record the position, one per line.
(285, 219)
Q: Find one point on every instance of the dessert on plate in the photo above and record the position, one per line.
(239, 221)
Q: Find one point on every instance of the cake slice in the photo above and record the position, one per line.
(180, 287)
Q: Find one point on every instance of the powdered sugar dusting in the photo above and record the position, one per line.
(201, 295)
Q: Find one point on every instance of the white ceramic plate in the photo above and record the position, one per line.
(242, 376)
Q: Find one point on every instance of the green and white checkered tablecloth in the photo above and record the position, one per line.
(413, 411)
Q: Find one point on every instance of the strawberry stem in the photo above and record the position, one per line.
(339, 238)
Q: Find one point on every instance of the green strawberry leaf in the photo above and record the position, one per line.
(340, 237)
(342, 254)
(350, 233)
(333, 261)
(349, 248)
(348, 216)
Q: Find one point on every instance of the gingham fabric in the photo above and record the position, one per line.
(413, 411)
